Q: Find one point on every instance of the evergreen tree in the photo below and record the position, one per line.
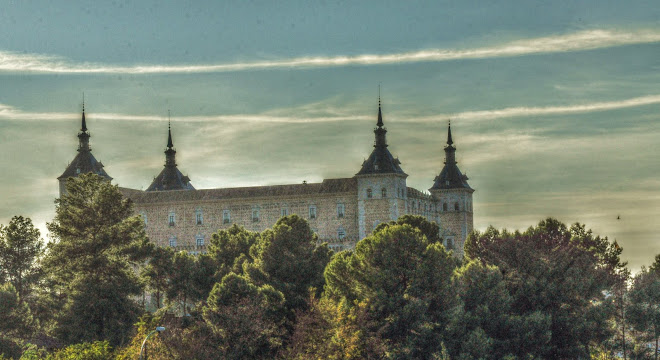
(404, 283)
(644, 308)
(289, 258)
(156, 273)
(20, 248)
(560, 273)
(247, 320)
(16, 323)
(230, 248)
(97, 244)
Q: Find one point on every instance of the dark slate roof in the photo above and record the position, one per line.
(328, 186)
(170, 179)
(84, 163)
(451, 178)
(381, 161)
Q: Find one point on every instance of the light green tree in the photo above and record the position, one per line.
(20, 248)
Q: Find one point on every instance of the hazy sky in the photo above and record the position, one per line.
(554, 105)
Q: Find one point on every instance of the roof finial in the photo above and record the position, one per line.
(449, 140)
(84, 124)
(169, 131)
(380, 114)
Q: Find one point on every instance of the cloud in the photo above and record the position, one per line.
(327, 114)
(579, 41)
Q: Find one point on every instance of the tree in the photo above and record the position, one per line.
(180, 280)
(288, 258)
(484, 326)
(230, 247)
(644, 309)
(16, 322)
(156, 273)
(429, 229)
(404, 283)
(559, 272)
(97, 244)
(246, 319)
(20, 248)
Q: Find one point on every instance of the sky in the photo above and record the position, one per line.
(554, 106)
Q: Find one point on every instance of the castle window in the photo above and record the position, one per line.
(199, 218)
(255, 215)
(444, 207)
(172, 218)
(368, 193)
(144, 217)
(340, 210)
(173, 241)
(200, 240)
(312, 212)
(449, 244)
(284, 212)
(226, 217)
(341, 233)
(456, 206)
(383, 192)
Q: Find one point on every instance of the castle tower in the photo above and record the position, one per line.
(381, 184)
(170, 178)
(84, 162)
(453, 199)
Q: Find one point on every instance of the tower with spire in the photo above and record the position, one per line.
(170, 178)
(453, 198)
(381, 184)
(84, 162)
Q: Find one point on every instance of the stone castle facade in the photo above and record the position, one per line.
(341, 211)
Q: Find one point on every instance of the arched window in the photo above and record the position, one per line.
(369, 193)
(456, 206)
(383, 192)
(444, 207)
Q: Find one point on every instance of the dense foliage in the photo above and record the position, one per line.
(549, 292)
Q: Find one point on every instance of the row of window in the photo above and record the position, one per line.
(199, 240)
(226, 215)
(383, 193)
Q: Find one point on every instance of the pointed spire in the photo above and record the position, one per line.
(449, 140)
(84, 124)
(380, 114)
(169, 131)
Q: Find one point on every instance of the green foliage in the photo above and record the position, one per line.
(20, 248)
(156, 273)
(644, 308)
(557, 273)
(429, 229)
(230, 248)
(97, 243)
(288, 258)
(180, 280)
(404, 283)
(246, 319)
(98, 350)
(16, 322)
(486, 326)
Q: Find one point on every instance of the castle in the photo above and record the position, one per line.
(341, 211)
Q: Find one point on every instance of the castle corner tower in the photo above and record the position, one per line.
(84, 162)
(453, 197)
(381, 184)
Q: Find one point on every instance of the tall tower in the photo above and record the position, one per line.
(381, 184)
(453, 198)
(84, 162)
(170, 178)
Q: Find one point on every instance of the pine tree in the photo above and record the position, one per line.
(97, 245)
(20, 248)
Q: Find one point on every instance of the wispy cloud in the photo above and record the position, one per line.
(579, 41)
(328, 115)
